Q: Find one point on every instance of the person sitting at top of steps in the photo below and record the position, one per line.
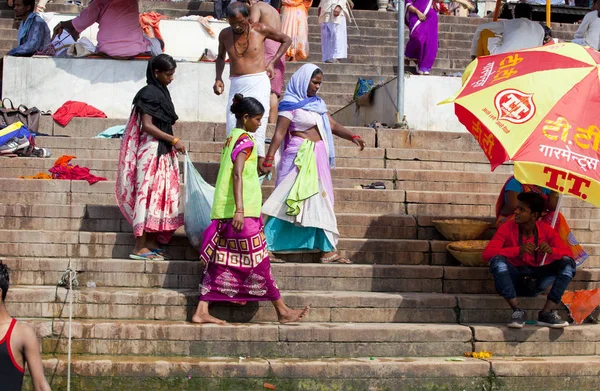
(18, 346)
(508, 35)
(34, 34)
(119, 31)
(516, 253)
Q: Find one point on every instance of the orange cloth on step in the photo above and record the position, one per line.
(581, 304)
(150, 22)
(39, 175)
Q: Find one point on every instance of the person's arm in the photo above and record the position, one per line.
(219, 87)
(496, 245)
(32, 44)
(583, 27)
(238, 190)
(510, 204)
(344, 133)
(554, 246)
(152, 130)
(281, 128)
(31, 354)
(41, 6)
(254, 14)
(276, 36)
(414, 10)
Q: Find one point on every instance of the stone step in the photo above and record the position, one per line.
(326, 306)
(300, 340)
(418, 373)
(174, 274)
(310, 340)
(179, 305)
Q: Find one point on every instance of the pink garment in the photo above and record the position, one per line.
(271, 48)
(120, 33)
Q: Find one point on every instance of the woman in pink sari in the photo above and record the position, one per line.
(147, 186)
(422, 22)
(294, 23)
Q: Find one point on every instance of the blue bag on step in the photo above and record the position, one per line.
(199, 197)
(363, 86)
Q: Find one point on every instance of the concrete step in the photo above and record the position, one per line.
(179, 305)
(175, 274)
(418, 373)
(301, 340)
(326, 306)
(310, 340)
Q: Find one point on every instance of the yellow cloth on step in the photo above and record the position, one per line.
(306, 184)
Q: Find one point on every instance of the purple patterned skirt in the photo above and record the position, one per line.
(237, 263)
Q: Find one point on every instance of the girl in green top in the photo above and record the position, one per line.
(234, 247)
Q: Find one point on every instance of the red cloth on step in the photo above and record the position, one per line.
(72, 109)
(62, 169)
(150, 22)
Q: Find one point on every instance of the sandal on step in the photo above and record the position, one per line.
(151, 256)
(161, 252)
(336, 258)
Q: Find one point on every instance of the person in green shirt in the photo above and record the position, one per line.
(234, 249)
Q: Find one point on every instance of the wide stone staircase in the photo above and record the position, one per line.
(372, 39)
(398, 319)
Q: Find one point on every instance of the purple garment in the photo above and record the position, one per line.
(286, 164)
(237, 263)
(422, 45)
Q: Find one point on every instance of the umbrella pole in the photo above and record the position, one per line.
(497, 10)
(554, 218)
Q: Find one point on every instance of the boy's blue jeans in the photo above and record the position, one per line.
(514, 281)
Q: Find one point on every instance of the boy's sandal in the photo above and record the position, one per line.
(336, 258)
(151, 256)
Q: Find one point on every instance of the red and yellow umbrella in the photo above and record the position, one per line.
(539, 108)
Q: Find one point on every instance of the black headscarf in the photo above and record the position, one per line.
(155, 100)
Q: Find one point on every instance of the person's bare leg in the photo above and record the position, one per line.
(141, 246)
(202, 316)
(514, 303)
(287, 315)
(549, 306)
(273, 111)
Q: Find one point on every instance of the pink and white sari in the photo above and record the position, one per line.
(147, 186)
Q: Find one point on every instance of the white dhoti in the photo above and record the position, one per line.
(258, 86)
(334, 40)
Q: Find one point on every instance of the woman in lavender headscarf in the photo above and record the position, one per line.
(300, 209)
(422, 22)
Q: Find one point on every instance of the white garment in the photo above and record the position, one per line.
(334, 39)
(516, 34)
(327, 7)
(588, 32)
(258, 86)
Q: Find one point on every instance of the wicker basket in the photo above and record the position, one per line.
(468, 252)
(461, 229)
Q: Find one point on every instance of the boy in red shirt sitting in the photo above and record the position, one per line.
(515, 254)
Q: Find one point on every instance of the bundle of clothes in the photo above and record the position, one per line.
(63, 169)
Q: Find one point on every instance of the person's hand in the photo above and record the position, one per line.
(270, 70)
(545, 248)
(358, 141)
(179, 147)
(238, 221)
(219, 87)
(527, 248)
(261, 167)
(39, 9)
(421, 16)
(58, 29)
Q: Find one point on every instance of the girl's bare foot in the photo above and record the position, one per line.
(206, 318)
(293, 315)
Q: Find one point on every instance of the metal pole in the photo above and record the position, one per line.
(400, 80)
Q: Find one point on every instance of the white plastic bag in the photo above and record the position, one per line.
(199, 197)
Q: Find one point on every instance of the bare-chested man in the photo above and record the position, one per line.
(261, 12)
(18, 346)
(249, 74)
